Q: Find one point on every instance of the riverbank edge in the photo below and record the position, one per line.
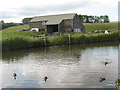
(24, 43)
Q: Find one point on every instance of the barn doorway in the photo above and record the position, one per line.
(52, 28)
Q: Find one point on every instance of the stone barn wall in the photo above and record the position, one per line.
(66, 25)
(77, 24)
(61, 27)
(37, 25)
(69, 25)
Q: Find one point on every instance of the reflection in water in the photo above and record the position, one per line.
(65, 66)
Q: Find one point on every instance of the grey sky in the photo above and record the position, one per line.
(15, 11)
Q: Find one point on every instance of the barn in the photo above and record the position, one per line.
(58, 23)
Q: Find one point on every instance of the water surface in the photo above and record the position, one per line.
(78, 66)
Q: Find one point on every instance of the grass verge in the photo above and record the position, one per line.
(22, 42)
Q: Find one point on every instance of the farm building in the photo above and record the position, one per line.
(58, 23)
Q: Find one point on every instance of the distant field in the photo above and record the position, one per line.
(90, 27)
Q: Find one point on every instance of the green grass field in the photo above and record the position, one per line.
(90, 27)
(17, 40)
(11, 31)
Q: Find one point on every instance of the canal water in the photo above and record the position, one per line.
(67, 66)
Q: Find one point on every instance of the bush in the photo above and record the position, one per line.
(42, 32)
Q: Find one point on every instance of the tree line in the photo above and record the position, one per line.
(83, 18)
(94, 19)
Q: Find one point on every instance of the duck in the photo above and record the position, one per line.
(102, 79)
(14, 75)
(105, 63)
(45, 78)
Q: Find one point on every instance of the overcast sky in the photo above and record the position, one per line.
(16, 10)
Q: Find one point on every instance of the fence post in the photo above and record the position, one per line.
(69, 38)
(45, 40)
(60, 34)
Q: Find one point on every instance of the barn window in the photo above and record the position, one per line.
(43, 22)
(77, 30)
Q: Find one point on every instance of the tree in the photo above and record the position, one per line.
(91, 19)
(87, 19)
(94, 19)
(2, 21)
(81, 17)
(106, 19)
(26, 20)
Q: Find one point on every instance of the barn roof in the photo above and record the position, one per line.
(53, 19)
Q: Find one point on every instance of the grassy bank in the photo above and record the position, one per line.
(21, 42)
(18, 40)
(94, 38)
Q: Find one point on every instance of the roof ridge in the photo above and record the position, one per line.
(55, 15)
